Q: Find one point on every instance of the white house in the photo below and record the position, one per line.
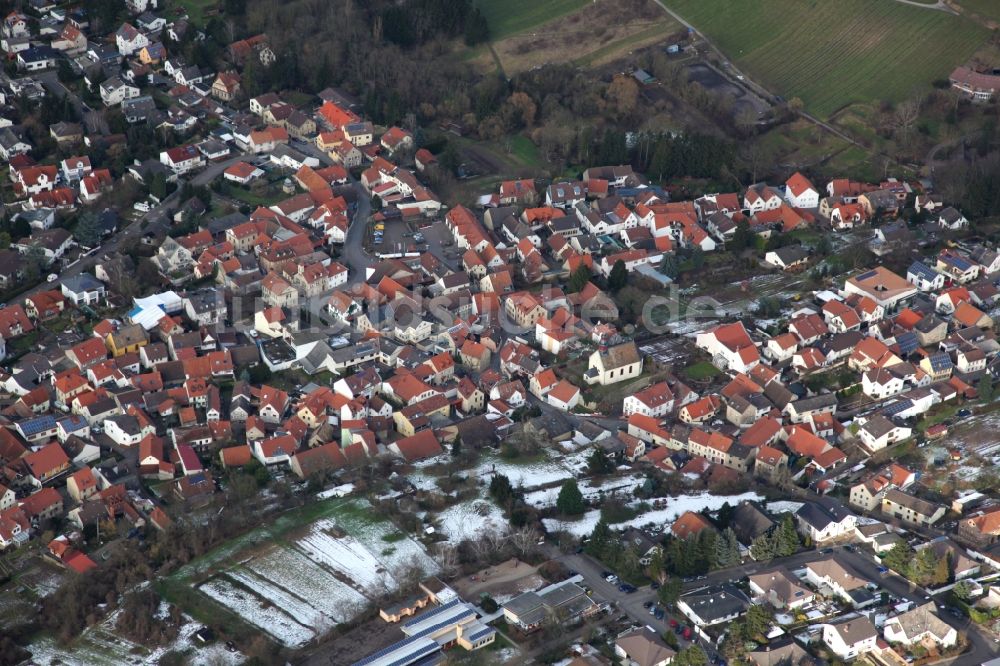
(655, 401)
(879, 432)
(730, 346)
(564, 396)
(924, 277)
(850, 638)
(713, 605)
(919, 625)
(274, 451)
(824, 522)
(114, 91)
(129, 40)
(182, 159)
(780, 589)
(951, 218)
(800, 192)
(83, 289)
(761, 197)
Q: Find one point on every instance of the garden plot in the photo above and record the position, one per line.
(257, 611)
(298, 608)
(101, 646)
(657, 517)
(319, 575)
(295, 573)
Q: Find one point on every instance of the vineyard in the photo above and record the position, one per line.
(832, 54)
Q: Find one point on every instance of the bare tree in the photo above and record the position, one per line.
(447, 557)
(524, 539)
(906, 116)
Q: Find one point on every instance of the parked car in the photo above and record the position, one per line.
(673, 623)
(883, 570)
(659, 613)
(686, 634)
(962, 413)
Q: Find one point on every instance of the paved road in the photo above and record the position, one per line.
(93, 119)
(982, 647)
(134, 228)
(354, 255)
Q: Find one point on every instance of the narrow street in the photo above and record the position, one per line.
(981, 646)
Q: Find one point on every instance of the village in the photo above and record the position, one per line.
(584, 420)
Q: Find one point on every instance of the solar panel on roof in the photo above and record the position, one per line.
(865, 276)
(35, 426)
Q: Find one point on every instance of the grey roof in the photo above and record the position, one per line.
(716, 602)
(878, 425)
(82, 282)
(820, 516)
(921, 269)
(855, 630)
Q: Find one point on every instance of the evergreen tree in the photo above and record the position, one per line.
(762, 548)
(707, 548)
(787, 542)
(600, 539)
(477, 29)
(742, 237)
(670, 590)
(691, 656)
(727, 549)
(578, 279)
(570, 500)
(985, 387)
(669, 266)
(697, 258)
(599, 463)
(899, 557)
(501, 490)
(618, 277)
(456, 447)
(942, 570)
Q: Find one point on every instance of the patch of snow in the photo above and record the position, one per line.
(470, 520)
(257, 612)
(657, 517)
(783, 506)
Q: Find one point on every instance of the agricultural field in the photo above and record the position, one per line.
(985, 9)
(511, 16)
(303, 580)
(585, 33)
(831, 54)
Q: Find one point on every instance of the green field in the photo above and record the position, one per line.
(196, 9)
(987, 9)
(831, 54)
(507, 17)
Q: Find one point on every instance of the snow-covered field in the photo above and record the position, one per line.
(258, 612)
(300, 589)
(548, 496)
(100, 646)
(528, 474)
(470, 520)
(657, 517)
(294, 572)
